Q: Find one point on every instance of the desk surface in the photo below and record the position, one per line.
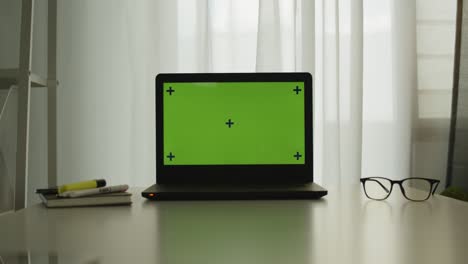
(344, 227)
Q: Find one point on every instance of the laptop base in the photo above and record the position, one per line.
(231, 192)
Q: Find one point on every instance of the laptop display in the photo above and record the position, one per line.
(234, 127)
(233, 123)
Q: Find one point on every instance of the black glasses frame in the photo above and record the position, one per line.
(434, 184)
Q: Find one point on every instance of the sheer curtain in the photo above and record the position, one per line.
(367, 74)
(111, 51)
(362, 54)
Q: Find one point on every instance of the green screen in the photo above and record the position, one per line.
(233, 123)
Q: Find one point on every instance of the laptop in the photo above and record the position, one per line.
(234, 136)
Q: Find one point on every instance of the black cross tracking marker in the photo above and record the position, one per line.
(297, 156)
(170, 91)
(229, 123)
(170, 156)
(297, 90)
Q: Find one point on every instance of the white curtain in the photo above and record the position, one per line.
(366, 69)
(111, 51)
(362, 54)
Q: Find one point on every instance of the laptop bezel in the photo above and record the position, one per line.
(233, 174)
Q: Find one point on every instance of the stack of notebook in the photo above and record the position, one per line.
(51, 200)
(89, 193)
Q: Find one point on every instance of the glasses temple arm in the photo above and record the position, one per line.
(435, 188)
(381, 185)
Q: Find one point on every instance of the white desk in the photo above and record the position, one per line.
(344, 227)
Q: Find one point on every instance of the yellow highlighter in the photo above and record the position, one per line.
(81, 185)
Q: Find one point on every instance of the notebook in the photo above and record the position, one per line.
(51, 200)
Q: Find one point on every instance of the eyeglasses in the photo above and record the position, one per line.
(414, 189)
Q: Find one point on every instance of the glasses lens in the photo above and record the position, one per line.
(417, 189)
(377, 188)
